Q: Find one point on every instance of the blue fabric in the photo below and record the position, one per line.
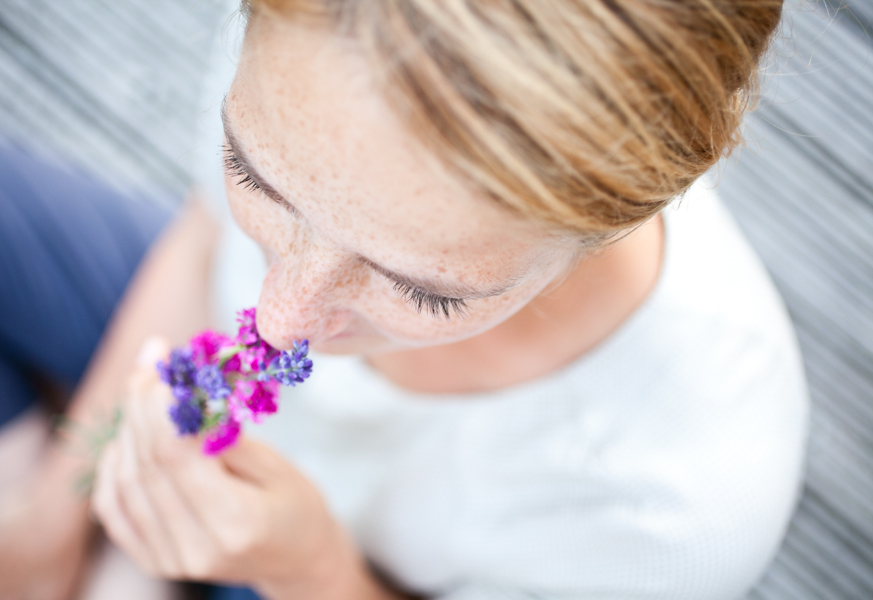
(232, 593)
(68, 247)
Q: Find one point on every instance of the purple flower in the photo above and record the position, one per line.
(292, 366)
(182, 393)
(179, 370)
(187, 416)
(211, 379)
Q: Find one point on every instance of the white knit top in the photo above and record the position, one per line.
(665, 463)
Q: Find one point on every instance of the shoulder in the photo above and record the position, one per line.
(668, 462)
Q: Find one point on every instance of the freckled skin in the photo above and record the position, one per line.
(306, 113)
(364, 188)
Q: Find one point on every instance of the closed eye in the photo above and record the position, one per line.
(235, 169)
(438, 306)
(422, 300)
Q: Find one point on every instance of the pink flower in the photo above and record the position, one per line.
(250, 357)
(248, 327)
(262, 400)
(233, 365)
(257, 357)
(206, 345)
(221, 437)
(236, 406)
(257, 398)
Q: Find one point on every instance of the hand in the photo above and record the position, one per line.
(247, 516)
(44, 535)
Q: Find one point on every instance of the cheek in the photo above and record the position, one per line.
(266, 223)
(247, 213)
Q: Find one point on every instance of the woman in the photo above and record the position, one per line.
(558, 386)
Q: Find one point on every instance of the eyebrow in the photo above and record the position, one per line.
(433, 286)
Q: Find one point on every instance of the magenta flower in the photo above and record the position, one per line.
(253, 399)
(206, 345)
(233, 365)
(221, 437)
(262, 399)
(248, 327)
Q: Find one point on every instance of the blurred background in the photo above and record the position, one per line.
(113, 86)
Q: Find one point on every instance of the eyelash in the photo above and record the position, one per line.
(437, 306)
(234, 168)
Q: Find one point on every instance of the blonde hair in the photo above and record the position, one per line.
(587, 115)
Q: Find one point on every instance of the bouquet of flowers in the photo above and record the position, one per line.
(220, 381)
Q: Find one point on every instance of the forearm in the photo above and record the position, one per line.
(168, 296)
(358, 583)
(337, 572)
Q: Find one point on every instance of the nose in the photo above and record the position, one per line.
(306, 295)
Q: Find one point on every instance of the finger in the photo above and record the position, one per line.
(148, 409)
(193, 543)
(163, 452)
(112, 515)
(219, 497)
(254, 462)
(226, 506)
(172, 463)
(148, 523)
(221, 500)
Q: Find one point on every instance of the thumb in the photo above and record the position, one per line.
(145, 372)
(153, 349)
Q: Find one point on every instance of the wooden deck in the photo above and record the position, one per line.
(803, 192)
(113, 86)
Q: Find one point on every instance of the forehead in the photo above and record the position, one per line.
(306, 110)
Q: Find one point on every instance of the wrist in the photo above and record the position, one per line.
(57, 483)
(339, 572)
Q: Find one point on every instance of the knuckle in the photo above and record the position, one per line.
(172, 571)
(165, 455)
(149, 567)
(128, 482)
(202, 565)
(238, 542)
(100, 504)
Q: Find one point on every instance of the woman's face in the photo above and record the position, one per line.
(369, 240)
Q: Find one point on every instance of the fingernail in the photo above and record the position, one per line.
(151, 352)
